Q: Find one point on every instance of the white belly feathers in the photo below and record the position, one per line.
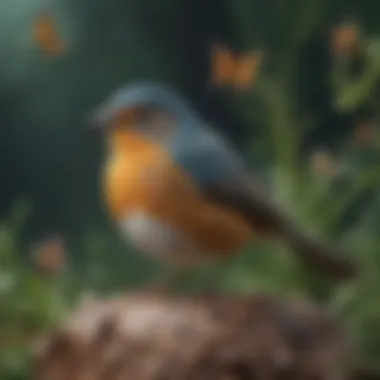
(157, 238)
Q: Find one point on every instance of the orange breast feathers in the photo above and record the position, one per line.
(140, 175)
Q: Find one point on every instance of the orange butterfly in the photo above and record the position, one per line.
(238, 71)
(46, 34)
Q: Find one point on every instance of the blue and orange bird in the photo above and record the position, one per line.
(180, 192)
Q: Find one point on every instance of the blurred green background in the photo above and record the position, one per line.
(294, 125)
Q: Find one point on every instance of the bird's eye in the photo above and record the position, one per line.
(130, 116)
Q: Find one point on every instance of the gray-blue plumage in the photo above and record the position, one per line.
(155, 95)
(204, 154)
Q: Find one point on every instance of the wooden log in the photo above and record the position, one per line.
(213, 337)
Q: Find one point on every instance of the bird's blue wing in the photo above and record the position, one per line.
(206, 156)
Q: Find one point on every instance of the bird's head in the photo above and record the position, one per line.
(148, 109)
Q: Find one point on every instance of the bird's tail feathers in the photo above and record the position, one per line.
(317, 254)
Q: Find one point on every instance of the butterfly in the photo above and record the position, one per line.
(237, 70)
(46, 34)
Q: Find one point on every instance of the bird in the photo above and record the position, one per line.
(179, 192)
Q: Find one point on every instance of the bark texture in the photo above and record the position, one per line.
(201, 337)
